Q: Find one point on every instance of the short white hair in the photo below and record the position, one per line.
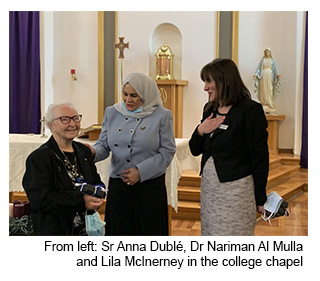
(49, 114)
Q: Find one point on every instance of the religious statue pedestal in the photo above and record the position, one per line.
(171, 92)
(273, 130)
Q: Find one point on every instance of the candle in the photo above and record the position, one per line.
(26, 207)
(10, 210)
(73, 71)
(18, 210)
(14, 203)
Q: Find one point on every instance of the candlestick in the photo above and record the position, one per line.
(10, 210)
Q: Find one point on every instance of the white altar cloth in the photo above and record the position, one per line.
(21, 145)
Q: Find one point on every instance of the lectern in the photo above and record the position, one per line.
(171, 92)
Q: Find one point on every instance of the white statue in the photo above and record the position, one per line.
(267, 82)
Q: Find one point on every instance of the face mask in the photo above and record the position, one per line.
(272, 206)
(139, 109)
(94, 224)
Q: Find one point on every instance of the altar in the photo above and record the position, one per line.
(21, 145)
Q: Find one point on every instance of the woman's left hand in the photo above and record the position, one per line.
(130, 176)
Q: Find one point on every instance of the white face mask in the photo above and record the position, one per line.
(274, 201)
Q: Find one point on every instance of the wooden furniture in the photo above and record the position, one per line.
(171, 92)
(273, 130)
(91, 132)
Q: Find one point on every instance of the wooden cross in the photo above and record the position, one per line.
(121, 46)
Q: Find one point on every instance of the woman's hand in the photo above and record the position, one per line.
(260, 209)
(130, 176)
(210, 124)
(92, 202)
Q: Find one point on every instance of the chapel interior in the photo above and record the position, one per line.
(83, 62)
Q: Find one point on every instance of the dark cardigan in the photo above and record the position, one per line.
(241, 149)
(53, 198)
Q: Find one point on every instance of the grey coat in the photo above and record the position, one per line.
(147, 143)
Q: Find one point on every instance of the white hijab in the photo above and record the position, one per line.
(147, 90)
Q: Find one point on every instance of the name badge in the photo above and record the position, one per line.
(223, 126)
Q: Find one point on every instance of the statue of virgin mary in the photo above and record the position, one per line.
(267, 81)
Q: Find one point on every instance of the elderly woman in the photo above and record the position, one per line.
(57, 206)
(139, 133)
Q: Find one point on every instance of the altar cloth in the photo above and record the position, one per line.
(21, 145)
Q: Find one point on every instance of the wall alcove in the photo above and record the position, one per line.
(169, 34)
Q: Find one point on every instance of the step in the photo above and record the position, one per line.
(274, 162)
(281, 173)
(190, 210)
(282, 165)
(190, 178)
(288, 187)
(187, 210)
(288, 192)
(289, 160)
(276, 176)
(189, 193)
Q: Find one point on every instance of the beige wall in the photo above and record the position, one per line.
(69, 40)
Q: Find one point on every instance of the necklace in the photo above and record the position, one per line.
(72, 168)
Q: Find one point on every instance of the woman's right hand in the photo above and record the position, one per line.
(92, 202)
(210, 124)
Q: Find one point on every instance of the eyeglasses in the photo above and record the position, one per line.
(66, 119)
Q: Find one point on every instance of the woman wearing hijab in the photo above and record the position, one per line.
(139, 133)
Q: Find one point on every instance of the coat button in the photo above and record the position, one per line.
(116, 144)
(119, 130)
(138, 119)
(131, 131)
(129, 146)
(128, 160)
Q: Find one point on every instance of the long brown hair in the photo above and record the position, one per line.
(230, 87)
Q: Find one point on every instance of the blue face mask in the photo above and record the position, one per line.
(272, 206)
(139, 109)
(94, 225)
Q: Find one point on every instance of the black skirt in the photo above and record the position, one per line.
(140, 209)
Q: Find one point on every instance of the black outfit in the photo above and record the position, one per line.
(129, 210)
(239, 150)
(54, 201)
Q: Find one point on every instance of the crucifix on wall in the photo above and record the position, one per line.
(121, 46)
